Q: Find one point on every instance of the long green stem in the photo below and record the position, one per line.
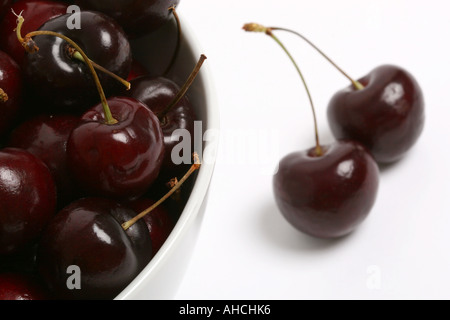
(183, 89)
(258, 28)
(31, 47)
(77, 55)
(193, 168)
(179, 36)
(358, 85)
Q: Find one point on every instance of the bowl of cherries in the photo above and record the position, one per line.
(105, 160)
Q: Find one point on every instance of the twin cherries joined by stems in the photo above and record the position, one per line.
(329, 190)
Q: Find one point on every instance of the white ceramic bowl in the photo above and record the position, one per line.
(162, 276)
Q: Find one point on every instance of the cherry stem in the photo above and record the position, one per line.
(252, 27)
(194, 167)
(184, 89)
(3, 96)
(31, 47)
(77, 55)
(179, 35)
(358, 85)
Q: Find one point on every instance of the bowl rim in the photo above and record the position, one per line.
(201, 186)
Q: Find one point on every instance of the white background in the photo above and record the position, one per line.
(246, 250)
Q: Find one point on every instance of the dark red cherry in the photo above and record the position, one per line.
(137, 70)
(23, 261)
(46, 137)
(27, 198)
(10, 91)
(117, 160)
(327, 196)
(157, 94)
(137, 17)
(4, 7)
(142, 244)
(387, 116)
(326, 191)
(65, 83)
(159, 222)
(36, 12)
(17, 286)
(87, 234)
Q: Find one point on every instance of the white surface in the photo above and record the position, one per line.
(246, 250)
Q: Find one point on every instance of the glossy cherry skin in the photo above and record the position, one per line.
(17, 286)
(137, 17)
(46, 137)
(137, 70)
(159, 222)
(11, 84)
(157, 94)
(88, 234)
(330, 195)
(27, 198)
(36, 13)
(387, 116)
(66, 84)
(120, 160)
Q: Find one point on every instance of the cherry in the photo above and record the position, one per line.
(46, 137)
(384, 110)
(330, 195)
(137, 17)
(23, 261)
(4, 6)
(107, 242)
(137, 70)
(387, 115)
(159, 222)
(64, 82)
(157, 94)
(159, 57)
(17, 286)
(37, 12)
(176, 114)
(10, 91)
(88, 234)
(27, 198)
(112, 154)
(121, 159)
(326, 191)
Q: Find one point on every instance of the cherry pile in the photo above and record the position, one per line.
(84, 159)
(329, 190)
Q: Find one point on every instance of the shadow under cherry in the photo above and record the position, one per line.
(280, 233)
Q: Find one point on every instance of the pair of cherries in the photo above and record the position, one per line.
(92, 164)
(328, 191)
